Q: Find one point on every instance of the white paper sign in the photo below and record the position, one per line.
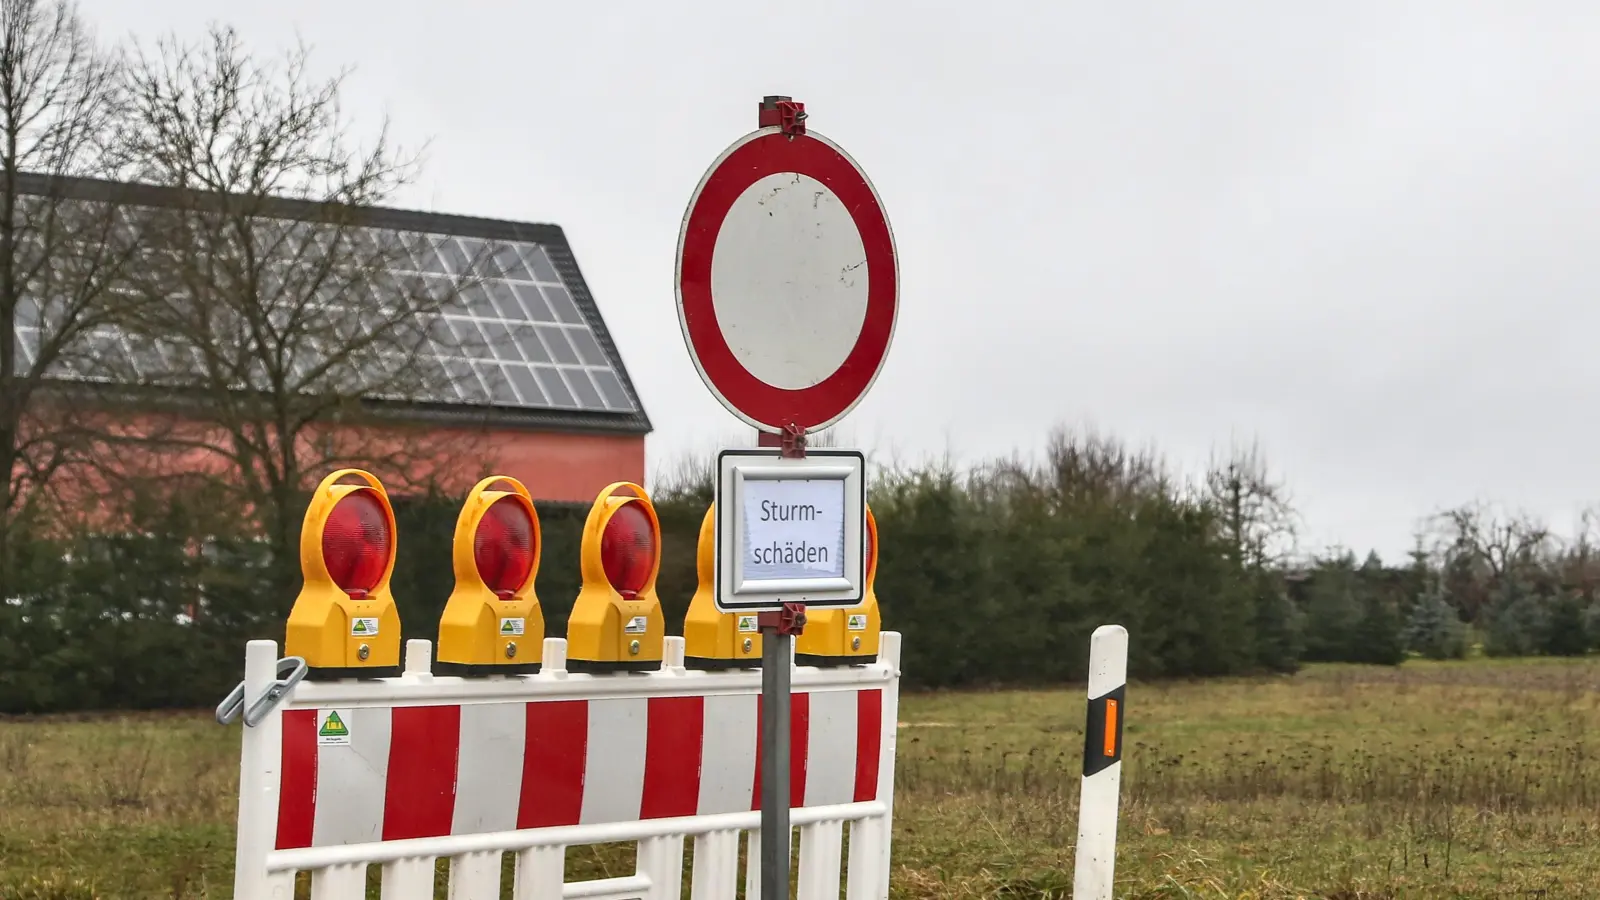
(794, 528)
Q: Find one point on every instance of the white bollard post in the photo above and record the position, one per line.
(1102, 764)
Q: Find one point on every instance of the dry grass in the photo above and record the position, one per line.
(1430, 781)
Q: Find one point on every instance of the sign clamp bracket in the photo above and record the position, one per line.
(788, 622)
(785, 113)
(791, 441)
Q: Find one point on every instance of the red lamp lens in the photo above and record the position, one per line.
(355, 543)
(628, 549)
(502, 547)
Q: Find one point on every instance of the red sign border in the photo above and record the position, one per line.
(755, 156)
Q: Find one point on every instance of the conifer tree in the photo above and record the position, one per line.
(1518, 621)
(1434, 629)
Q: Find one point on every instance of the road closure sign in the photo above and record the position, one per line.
(793, 529)
(788, 282)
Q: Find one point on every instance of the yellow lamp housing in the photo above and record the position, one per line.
(344, 622)
(492, 623)
(711, 639)
(845, 637)
(616, 623)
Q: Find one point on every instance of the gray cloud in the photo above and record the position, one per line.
(1358, 231)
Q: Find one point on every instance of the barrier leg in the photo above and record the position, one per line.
(661, 860)
(540, 871)
(475, 876)
(408, 879)
(347, 881)
(863, 872)
(821, 846)
(752, 864)
(1102, 764)
(716, 866)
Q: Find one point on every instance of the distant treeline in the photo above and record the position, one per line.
(996, 575)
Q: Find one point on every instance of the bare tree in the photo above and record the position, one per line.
(60, 257)
(1256, 516)
(1580, 558)
(1480, 547)
(1502, 542)
(272, 306)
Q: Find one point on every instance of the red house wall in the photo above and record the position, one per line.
(555, 466)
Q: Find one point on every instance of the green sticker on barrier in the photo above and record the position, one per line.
(332, 730)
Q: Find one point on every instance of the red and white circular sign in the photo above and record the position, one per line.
(787, 280)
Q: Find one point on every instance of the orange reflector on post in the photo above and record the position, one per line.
(1102, 733)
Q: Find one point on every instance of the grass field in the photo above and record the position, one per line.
(1428, 781)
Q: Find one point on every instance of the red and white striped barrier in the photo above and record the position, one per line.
(400, 772)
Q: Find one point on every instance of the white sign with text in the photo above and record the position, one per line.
(789, 530)
(793, 528)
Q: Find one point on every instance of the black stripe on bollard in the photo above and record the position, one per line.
(1102, 734)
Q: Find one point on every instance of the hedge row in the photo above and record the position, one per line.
(993, 578)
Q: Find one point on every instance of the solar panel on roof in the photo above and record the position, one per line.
(517, 338)
(27, 345)
(554, 386)
(515, 365)
(549, 366)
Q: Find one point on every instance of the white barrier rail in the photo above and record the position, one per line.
(402, 772)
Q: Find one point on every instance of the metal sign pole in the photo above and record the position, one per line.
(775, 764)
(777, 638)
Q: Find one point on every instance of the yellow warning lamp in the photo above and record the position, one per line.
(492, 624)
(616, 623)
(845, 637)
(711, 639)
(344, 623)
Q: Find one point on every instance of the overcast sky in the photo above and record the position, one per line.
(1363, 233)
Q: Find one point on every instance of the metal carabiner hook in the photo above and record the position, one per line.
(260, 708)
(229, 708)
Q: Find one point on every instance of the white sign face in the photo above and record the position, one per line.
(793, 528)
(790, 236)
(790, 530)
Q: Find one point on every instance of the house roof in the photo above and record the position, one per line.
(532, 347)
